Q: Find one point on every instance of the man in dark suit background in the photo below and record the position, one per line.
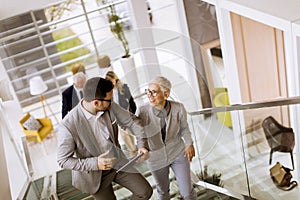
(73, 94)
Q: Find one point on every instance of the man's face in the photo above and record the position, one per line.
(80, 83)
(103, 104)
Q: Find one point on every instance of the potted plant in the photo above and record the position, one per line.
(116, 27)
(127, 61)
(214, 178)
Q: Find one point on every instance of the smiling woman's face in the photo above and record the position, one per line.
(157, 98)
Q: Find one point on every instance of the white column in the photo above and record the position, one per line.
(188, 55)
(231, 71)
(141, 22)
(4, 186)
(13, 163)
(295, 110)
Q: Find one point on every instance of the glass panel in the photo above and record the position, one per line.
(241, 156)
(219, 159)
(261, 136)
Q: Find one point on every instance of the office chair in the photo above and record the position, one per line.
(279, 137)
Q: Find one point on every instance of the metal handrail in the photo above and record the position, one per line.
(251, 105)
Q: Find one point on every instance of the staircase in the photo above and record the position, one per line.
(59, 187)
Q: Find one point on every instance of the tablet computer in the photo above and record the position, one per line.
(130, 163)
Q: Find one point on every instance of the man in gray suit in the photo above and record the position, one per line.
(88, 144)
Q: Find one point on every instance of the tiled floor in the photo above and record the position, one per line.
(43, 157)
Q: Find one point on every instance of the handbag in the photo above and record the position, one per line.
(282, 176)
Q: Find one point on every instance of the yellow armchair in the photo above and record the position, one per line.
(221, 99)
(37, 135)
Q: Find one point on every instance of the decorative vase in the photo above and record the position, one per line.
(130, 73)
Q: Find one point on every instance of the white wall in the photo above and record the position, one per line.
(11, 144)
(5, 187)
(14, 7)
(6, 89)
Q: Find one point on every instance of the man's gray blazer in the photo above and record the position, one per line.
(78, 149)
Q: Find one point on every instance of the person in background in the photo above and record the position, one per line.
(73, 94)
(88, 144)
(77, 67)
(169, 139)
(103, 61)
(123, 97)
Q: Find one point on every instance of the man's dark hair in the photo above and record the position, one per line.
(96, 88)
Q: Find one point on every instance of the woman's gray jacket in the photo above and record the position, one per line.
(178, 135)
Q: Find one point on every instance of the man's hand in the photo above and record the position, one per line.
(190, 152)
(105, 163)
(145, 156)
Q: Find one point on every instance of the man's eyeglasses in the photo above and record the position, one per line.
(153, 93)
(107, 100)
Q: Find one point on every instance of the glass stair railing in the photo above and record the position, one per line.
(239, 155)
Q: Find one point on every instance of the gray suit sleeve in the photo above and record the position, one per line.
(129, 120)
(66, 150)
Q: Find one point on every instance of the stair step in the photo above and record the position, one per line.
(65, 191)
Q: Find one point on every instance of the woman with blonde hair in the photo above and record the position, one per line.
(168, 138)
(123, 97)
